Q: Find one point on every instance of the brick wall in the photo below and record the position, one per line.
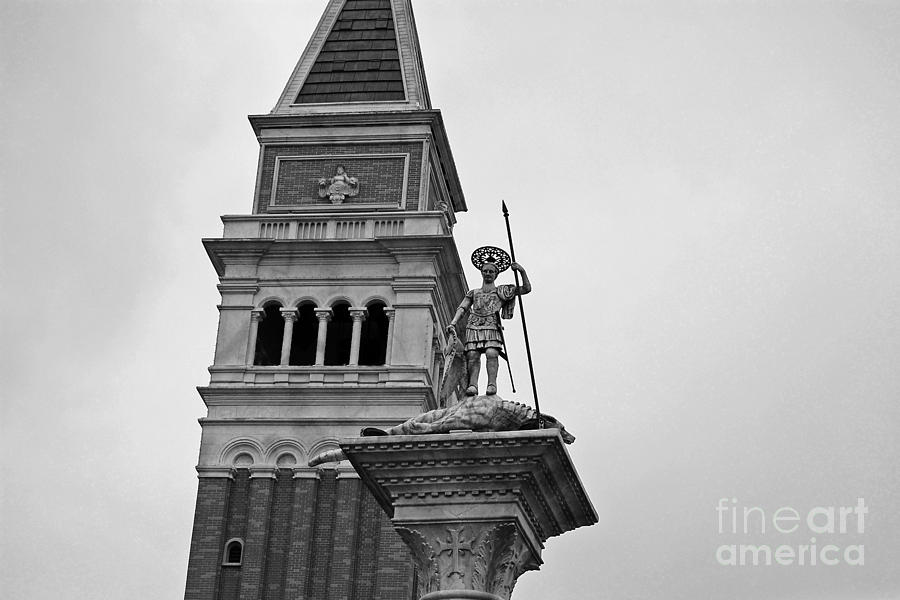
(304, 539)
(207, 538)
(380, 179)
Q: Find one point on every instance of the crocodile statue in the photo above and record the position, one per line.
(476, 413)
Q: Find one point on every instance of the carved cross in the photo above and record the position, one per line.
(454, 546)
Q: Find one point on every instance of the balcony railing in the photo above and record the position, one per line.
(328, 227)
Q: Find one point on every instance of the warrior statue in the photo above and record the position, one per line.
(486, 306)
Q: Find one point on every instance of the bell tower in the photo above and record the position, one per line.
(336, 290)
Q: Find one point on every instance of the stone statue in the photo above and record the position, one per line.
(486, 306)
(340, 186)
(477, 413)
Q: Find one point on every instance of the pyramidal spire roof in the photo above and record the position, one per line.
(363, 56)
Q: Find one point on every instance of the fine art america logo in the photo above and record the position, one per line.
(823, 533)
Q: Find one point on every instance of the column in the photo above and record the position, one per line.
(323, 315)
(358, 315)
(389, 313)
(256, 315)
(289, 315)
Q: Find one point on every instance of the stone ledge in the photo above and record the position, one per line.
(533, 467)
(473, 508)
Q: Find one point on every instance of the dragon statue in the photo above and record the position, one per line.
(477, 413)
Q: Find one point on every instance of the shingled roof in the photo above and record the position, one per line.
(359, 61)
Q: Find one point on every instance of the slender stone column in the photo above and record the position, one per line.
(358, 315)
(389, 313)
(290, 316)
(256, 315)
(324, 316)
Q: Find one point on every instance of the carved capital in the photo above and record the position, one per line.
(257, 314)
(323, 314)
(358, 314)
(389, 313)
(485, 557)
(289, 314)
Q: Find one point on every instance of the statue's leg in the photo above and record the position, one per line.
(473, 362)
(493, 364)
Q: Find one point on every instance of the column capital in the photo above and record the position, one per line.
(307, 473)
(289, 313)
(263, 471)
(323, 314)
(389, 312)
(358, 313)
(211, 471)
(257, 314)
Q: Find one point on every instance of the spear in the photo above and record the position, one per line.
(512, 252)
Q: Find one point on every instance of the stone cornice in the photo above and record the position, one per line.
(529, 468)
(313, 396)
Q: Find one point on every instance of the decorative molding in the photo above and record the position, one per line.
(477, 556)
(307, 473)
(220, 471)
(289, 314)
(263, 472)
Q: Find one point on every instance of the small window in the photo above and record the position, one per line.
(234, 551)
(268, 337)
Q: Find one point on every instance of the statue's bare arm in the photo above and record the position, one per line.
(463, 307)
(525, 288)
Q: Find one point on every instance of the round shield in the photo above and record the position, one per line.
(491, 254)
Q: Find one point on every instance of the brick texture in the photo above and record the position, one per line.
(344, 538)
(256, 543)
(304, 539)
(380, 179)
(207, 538)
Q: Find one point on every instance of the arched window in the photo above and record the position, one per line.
(268, 336)
(303, 341)
(373, 337)
(340, 333)
(234, 552)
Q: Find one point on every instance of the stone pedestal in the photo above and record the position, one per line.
(474, 508)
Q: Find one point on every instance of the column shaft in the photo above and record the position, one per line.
(324, 316)
(389, 313)
(290, 315)
(358, 315)
(256, 315)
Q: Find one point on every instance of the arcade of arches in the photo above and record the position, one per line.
(306, 335)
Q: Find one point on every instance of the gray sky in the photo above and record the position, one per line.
(705, 195)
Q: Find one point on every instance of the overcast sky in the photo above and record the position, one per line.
(705, 195)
